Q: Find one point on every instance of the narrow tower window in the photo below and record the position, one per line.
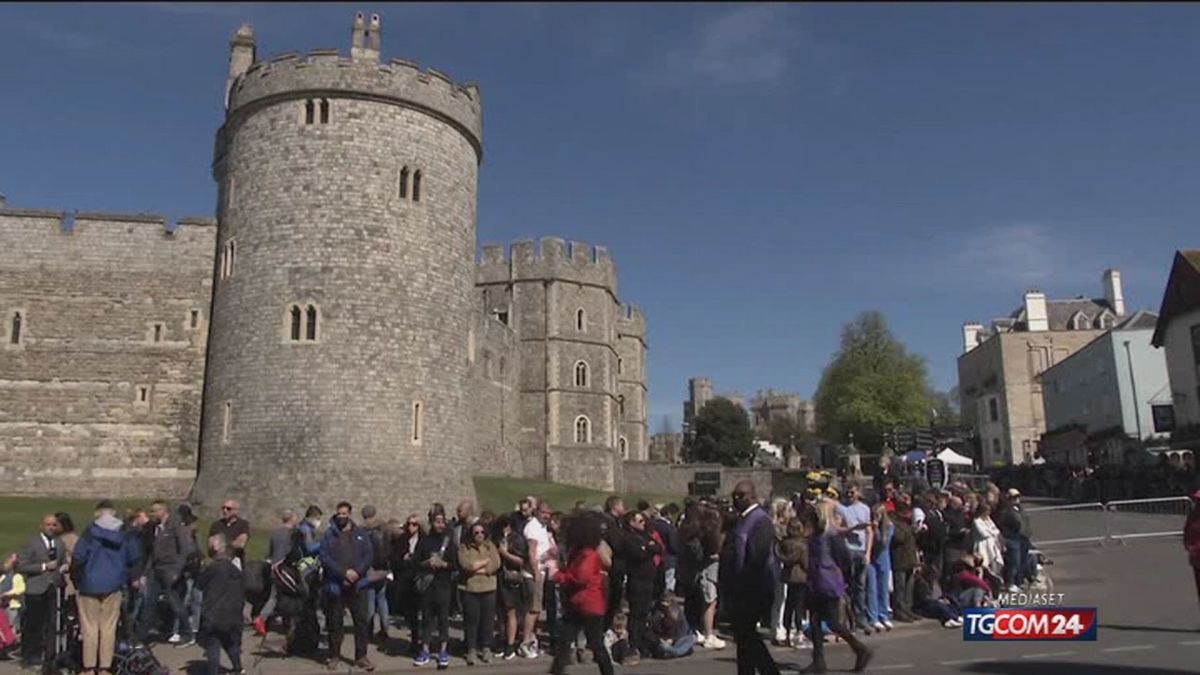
(417, 422)
(295, 323)
(580, 320)
(417, 185)
(324, 111)
(620, 365)
(581, 374)
(14, 335)
(310, 109)
(620, 407)
(158, 332)
(195, 318)
(227, 421)
(143, 394)
(583, 430)
(623, 446)
(311, 331)
(404, 182)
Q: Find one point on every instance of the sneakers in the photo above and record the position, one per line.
(174, 639)
(260, 626)
(509, 653)
(878, 626)
(365, 664)
(953, 623)
(527, 650)
(713, 642)
(1014, 589)
(469, 658)
(422, 659)
(186, 642)
(781, 636)
(887, 623)
(443, 659)
(800, 642)
(485, 656)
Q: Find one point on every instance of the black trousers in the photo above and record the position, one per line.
(752, 654)
(593, 629)
(37, 626)
(335, 609)
(641, 598)
(479, 619)
(616, 591)
(823, 608)
(213, 641)
(435, 606)
(795, 606)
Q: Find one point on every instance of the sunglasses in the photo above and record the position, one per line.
(412, 524)
(478, 533)
(228, 508)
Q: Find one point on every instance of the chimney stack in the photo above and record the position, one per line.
(365, 38)
(1036, 319)
(1112, 291)
(971, 335)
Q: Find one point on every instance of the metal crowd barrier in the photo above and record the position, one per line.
(1112, 522)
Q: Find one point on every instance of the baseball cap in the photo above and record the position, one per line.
(1014, 492)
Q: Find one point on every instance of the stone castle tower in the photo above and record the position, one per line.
(343, 294)
(334, 335)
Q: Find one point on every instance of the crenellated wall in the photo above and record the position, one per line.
(102, 393)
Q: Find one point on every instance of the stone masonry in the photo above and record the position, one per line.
(356, 348)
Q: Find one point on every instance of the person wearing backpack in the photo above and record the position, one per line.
(102, 563)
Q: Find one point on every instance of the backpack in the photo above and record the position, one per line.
(138, 660)
(289, 579)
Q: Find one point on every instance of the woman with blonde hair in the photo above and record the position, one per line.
(987, 540)
(783, 512)
(827, 589)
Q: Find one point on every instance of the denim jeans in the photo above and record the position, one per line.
(193, 598)
(378, 604)
(157, 582)
(1012, 561)
(879, 604)
(858, 585)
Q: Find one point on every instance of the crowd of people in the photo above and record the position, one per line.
(1168, 478)
(624, 584)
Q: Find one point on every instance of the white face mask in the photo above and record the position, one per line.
(315, 522)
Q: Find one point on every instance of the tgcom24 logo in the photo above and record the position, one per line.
(1027, 623)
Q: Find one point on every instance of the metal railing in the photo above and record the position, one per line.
(1109, 522)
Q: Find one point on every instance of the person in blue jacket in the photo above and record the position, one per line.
(346, 555)
(102, 567)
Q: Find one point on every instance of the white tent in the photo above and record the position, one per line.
(951, 457)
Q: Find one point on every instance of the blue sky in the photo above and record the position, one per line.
(761, 173)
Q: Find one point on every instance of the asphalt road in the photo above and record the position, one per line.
(1144, 591)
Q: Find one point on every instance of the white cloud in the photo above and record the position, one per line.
(748, 44)
(1015, 254)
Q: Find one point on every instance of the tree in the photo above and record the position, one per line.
(872, 385)
(945, 408)
(783, 430)
(722, 435)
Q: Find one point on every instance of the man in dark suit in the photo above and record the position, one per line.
(41, 562)
(748, 573)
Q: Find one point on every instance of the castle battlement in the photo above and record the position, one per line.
(631, 321)
(327, 72)
(72, 222)
(551, 258)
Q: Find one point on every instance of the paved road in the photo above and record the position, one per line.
(1144, 591)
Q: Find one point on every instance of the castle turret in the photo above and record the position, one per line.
(241, 56)
(634, 443)
(343, 299)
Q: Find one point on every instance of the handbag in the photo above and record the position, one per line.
(425, 580)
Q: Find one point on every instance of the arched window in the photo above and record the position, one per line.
(311, 331)
(623, 446)
(324, 111)
(14, 334)
(621, 407)
(296, 322)
(417, 185)
(310, 111)
(583, 430)
(404, 182)
(581, 374)
(580, 320)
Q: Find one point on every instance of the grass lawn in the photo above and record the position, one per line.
(20, 516)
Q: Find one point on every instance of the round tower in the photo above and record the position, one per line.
(343, 293)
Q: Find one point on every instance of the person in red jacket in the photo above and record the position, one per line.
(1191, 538)
(582, 585)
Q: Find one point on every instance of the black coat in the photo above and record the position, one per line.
(639, 551)
(224, 596)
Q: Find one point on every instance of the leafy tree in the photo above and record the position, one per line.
(871, 385)
(945, 408)
(722, 435)
(783, 430)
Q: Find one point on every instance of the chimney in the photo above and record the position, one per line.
(241, 56)
(1036, 319)
(971, 335)
(1112, 291)
(365, 38)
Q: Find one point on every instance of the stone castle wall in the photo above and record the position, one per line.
(102, 394)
